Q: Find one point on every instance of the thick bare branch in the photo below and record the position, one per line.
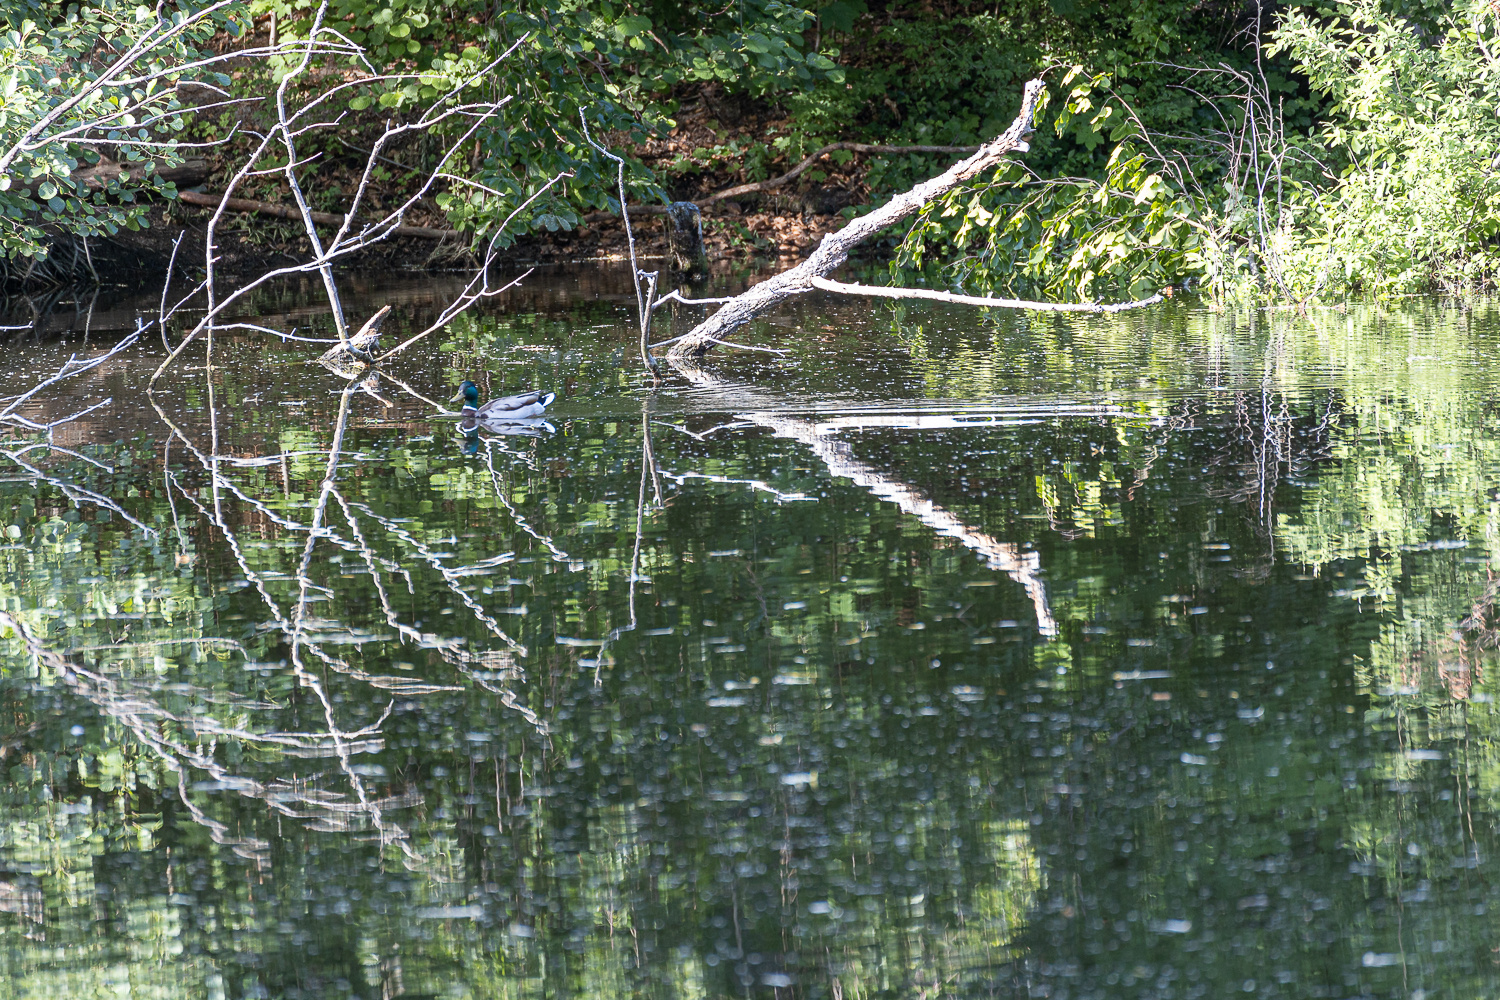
(836, 247)
(775, 182)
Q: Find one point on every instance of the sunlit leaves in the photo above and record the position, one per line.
(1074, 240)
(1418, 202)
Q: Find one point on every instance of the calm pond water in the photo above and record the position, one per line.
(946, 655)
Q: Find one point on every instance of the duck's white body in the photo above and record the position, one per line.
(526, 406)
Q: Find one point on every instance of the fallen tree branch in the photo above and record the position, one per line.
(829, 285)
(97, 177)
(836, 247)
(791, 175)
(832, 147)
(206, 200)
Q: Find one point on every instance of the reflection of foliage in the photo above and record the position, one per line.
(368, 692)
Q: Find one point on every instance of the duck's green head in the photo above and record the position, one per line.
(469, 393)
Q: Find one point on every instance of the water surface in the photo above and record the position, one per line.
(949, 654)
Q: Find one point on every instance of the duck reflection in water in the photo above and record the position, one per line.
(470, 428)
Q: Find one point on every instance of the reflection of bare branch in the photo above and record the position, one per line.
(1174, 423)
(557, 553)
(251, 848)
(450, 575)
(759, 485)
(76, 493)
(69, 369)
(360, 546)
(300, 622)
(436, 405)
(133, 705)
(490, 666)
(733, 425)
(1007, 557)
(648, 469)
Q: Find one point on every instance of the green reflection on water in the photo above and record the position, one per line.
(1146, 656)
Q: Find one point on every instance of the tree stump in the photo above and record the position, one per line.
(685, 237)
(361, 344)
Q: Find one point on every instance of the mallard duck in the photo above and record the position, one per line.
(526, 406)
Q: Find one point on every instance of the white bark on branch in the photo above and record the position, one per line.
(843, 288)
(758, 187)
(835, 248)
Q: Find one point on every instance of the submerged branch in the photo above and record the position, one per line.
(876, 291)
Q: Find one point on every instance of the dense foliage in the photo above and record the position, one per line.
(610, 64)
(840, 70)
(1376, 179)
(1413, 120)
(1337, 150)
(61, 109)
(834, 749)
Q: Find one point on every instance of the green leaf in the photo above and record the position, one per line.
(841, 14)
(632, 25)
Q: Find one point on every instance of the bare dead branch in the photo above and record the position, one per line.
(791, 175)
(836, 247)
(345, 241)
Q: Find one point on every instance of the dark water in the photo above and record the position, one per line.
(947, 655)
